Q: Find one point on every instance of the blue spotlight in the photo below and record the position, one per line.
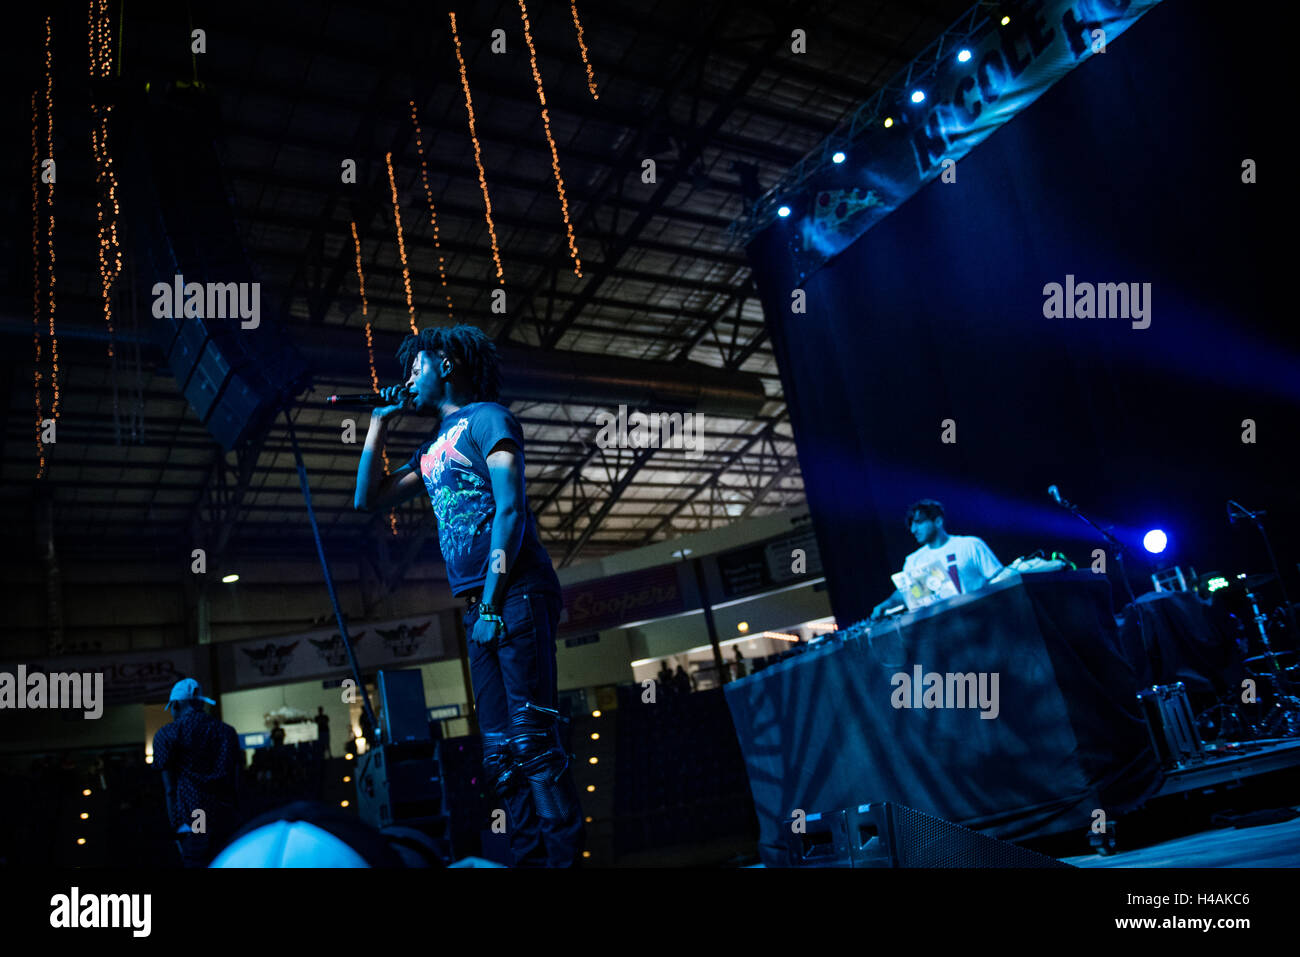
(918, 96)
(963, 56)
(783, 212)
(1155, 541)
(838, 157)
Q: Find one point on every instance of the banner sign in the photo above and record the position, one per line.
(131, 677)
(320, 654)
(1009, 68)
(611, 602)
(781, 561)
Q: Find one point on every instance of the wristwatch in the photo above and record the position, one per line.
(488, 613)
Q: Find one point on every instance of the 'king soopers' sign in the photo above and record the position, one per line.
(1009, 68)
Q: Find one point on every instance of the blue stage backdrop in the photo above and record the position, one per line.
(935, 323)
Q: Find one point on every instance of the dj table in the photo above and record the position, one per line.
(841, 724)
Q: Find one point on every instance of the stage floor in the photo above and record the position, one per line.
(1269, 845)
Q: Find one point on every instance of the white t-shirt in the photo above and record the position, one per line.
(975, 562)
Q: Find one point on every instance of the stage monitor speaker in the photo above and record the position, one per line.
(405, 718)
(887, 834)
(399, 784)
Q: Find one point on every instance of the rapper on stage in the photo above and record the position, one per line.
(967, 561)
(472, 469)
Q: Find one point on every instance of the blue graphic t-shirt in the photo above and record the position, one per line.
(455, 471)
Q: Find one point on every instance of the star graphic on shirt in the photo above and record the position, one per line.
(445, 448)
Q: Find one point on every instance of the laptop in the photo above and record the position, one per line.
(924, 585)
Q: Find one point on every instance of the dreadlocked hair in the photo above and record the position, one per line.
(473, 355)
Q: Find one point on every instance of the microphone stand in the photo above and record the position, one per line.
(1119, 560)
(366, 708)
(1254, 520)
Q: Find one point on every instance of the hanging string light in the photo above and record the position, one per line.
(36, 287)
(433, 212)
(49, 236)
(107, 208)
(582, 45)
(555, 156)
(370, 350)
(478, 153)
(110, 252)
(401, 243)
(365, 310)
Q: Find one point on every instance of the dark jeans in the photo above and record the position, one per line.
(508, 672)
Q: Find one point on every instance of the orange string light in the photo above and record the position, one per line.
(107, 207)
(49, 236)
(433, 212)
(401, 243)
(370, 350)
(582, 45)
(36, 287)
(478, 153)
(555, 156)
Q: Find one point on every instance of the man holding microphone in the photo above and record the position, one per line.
(472, 469)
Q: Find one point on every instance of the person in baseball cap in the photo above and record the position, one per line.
(200, 761)
(187, 689)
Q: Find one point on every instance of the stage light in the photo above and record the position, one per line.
(347, 779)
(1214, 584)
(347, 757)
(1005, 21)
(918, 96)
(586, 853)
(595, 736)
(343, 803)
(963, 56)
(229, 579)
(86, 793)
(838, 157)
(1155, 541)
(84, 815)
(81, 840)
(593, 760)
(742, 626)
(783, 212)
(889, 121)
(590, 788)
(595, 714)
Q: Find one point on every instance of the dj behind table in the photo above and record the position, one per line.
(1010, 710)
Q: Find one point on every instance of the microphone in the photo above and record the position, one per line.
(367, 399)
